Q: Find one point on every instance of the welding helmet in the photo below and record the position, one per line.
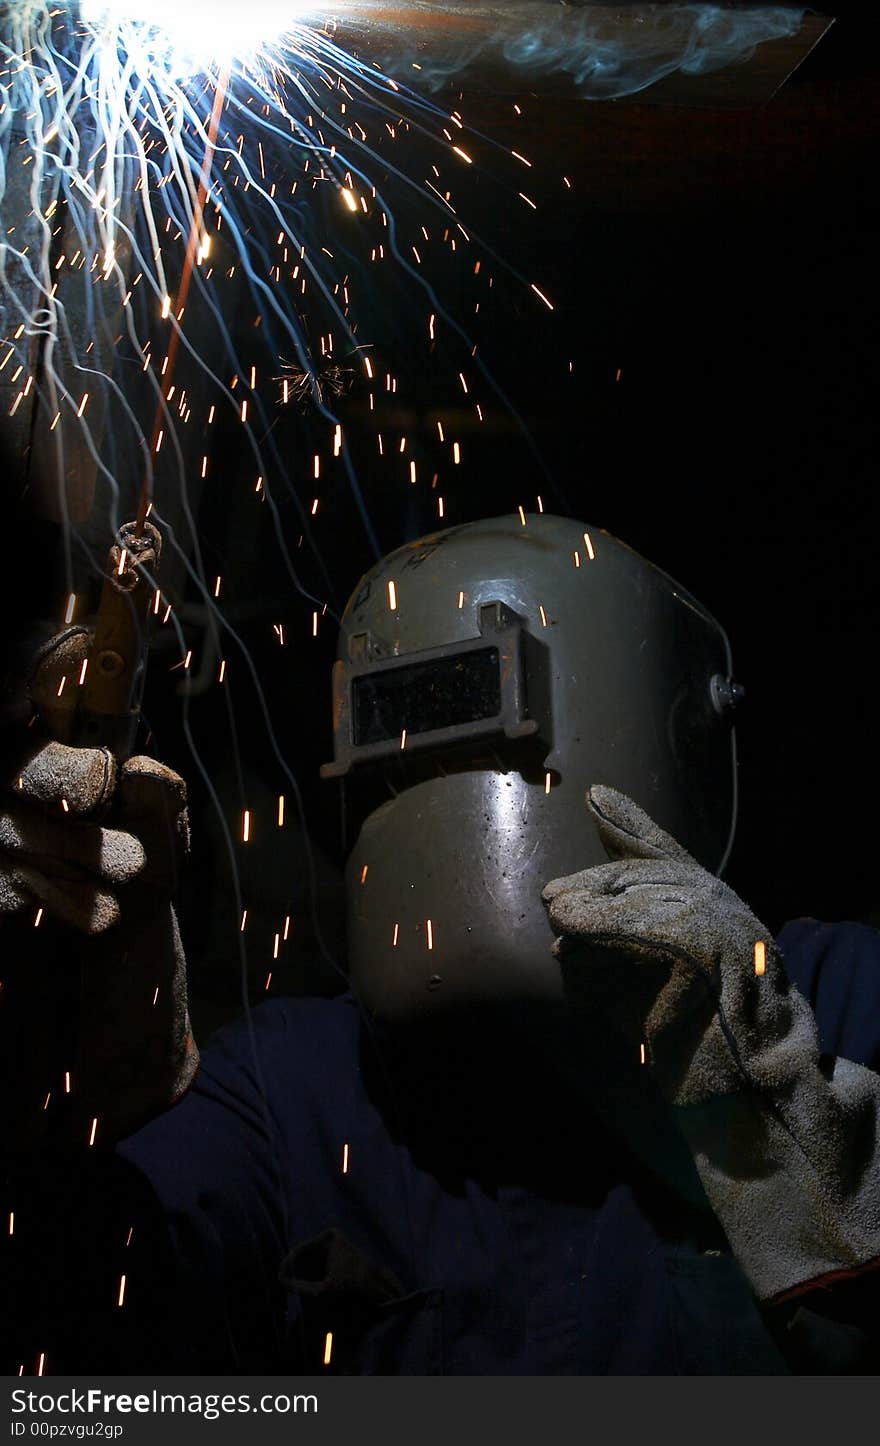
(486, 676)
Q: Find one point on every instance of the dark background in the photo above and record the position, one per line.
(705, 390)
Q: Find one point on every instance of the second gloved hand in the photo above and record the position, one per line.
(786, 1143)
(97, 846)
(75, 829)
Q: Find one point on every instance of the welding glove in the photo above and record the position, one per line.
(97, 846)
(786, 1142)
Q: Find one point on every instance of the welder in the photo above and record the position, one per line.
(579, 1114)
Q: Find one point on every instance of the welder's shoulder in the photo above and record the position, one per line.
(281, 1049)
(273, 1026)
(836, 966)
(264, 1085)
(258, 1069)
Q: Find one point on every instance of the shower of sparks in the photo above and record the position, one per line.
(144, 146)
(197, 236)
(302, 387)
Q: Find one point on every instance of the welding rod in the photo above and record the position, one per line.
(113, 685)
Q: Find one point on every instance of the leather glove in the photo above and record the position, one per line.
(76, 827)
(98, 845)
(786, 1143)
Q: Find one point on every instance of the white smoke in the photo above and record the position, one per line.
(606, 51)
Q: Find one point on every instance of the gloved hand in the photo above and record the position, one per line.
(786, 1143)
(98, 846)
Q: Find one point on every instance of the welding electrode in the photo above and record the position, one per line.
(113, 685)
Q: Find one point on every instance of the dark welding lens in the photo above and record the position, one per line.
(419, 697)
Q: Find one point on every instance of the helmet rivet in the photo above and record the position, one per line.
(725, 693)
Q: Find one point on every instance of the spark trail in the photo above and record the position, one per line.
(196, 225)
(192, 230)
(112, 115)
(201, 207)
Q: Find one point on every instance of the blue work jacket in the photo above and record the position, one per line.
(329, 1197)
(326, 1198)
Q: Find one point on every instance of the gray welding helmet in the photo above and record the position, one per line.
(487, 675)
